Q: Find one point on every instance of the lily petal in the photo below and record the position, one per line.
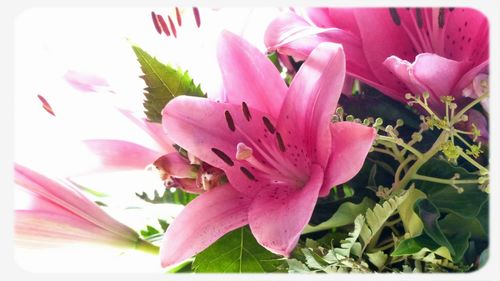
(119, 154)
(350, 145)
(421, 75)
(212, 131)
(279, 213)
(249, 76)
(312, 99)
(69, 198)
(203, 221)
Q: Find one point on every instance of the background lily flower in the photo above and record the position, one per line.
(275, 144)
(394, 50)
(59, 213)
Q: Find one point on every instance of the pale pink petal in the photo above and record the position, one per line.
(279, 213)
(154, 130)
(202, 222)
(312, 99)
(174, 165)
(119, 154)
(69, 198)
(249, 76)
(421, 75)
(85, 82)
(469, 77)
(290, 34)
(47, 229)
(350, 145)
(211, 131)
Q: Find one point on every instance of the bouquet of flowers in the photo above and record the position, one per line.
(357, 141)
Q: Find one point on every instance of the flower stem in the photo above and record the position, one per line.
(402, 144)
(480, 167)
(421, 161)
(456, 118)
(444, 181)
(144, 246)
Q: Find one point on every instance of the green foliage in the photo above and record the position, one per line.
(411, 221)
(345, 215)
(465, 204)
(174, 197)
(237, 252)
(163, 84)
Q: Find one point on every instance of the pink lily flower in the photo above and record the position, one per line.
(276, 145)
(59, 214)
(434, 50)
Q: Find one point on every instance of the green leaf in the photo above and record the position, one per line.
(296, 266)
(378, 259)
(473, 225)
(430, 216)
(163, 84)
(411, 221)
(350, 245)
(458, 240)
(174, 197)
(237, 251)
(346, 214)
(445, 197)
(184, 267)
(376, 217)
(149, 231)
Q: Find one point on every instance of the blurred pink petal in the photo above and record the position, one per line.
(119, 154)
(85, 82)
(46, 105)
(60, 213)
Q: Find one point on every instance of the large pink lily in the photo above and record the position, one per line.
(59, 214)
(434, 50)
(276, 145)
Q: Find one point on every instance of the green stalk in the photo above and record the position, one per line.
(144, 246)
(421, 161)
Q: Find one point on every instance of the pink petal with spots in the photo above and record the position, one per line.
(350, 145)
(312, 99)
(249, 76)
(212, 131)
(278, 214)
(202, 222)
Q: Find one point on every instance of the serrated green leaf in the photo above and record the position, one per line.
(346, 214)
(350, 245)
(378, 259)
(174, 197)
(296, 266)
(411, 221)
(163, 84)
(377, 216)
(236, 252)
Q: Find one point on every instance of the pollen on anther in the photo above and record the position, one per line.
(268, 124)
(243, 151)
(223, 156)
(246, 111)
(229, 121)
(247, 173)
